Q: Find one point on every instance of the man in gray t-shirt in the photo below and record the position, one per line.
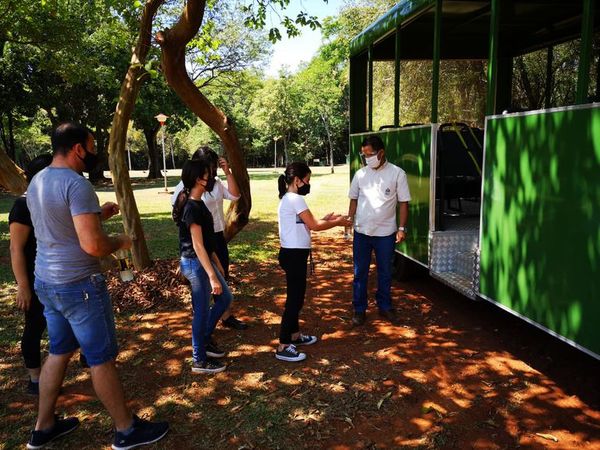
(67, 221)
(61, 193)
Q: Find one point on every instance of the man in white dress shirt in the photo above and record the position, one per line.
(377, 191)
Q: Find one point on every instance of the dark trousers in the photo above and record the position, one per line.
(35, 324)
(222, 252)
(293, 261)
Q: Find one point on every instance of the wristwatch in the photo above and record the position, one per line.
(403, 229)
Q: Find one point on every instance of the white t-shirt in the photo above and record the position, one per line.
(293, 233)
(378, 192)
(213, 201)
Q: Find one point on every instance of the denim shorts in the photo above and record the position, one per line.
(79, 314)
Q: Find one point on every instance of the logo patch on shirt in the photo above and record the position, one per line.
(387, 191)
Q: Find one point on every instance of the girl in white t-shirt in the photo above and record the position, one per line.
(295, 224)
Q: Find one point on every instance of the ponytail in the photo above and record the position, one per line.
(191, 171)
(295, 169)
(282, 185)
(180, 202)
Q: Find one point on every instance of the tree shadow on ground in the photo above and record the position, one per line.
(454, 374)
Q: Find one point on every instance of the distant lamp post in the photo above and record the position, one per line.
(162, 118)
(275, 155)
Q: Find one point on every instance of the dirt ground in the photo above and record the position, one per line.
(454, 374)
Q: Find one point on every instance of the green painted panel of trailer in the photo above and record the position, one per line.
(410, 149)
(540, 247)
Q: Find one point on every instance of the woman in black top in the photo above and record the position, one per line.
(200, 264)
(22, 256)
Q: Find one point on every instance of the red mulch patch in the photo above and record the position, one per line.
(453, 374)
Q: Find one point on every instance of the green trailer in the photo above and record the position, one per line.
(524, 231)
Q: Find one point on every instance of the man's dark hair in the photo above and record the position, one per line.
(68, 134)
(38, 163)
(374, 141)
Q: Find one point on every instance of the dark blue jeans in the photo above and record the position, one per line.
(362, 248)
(204, 317)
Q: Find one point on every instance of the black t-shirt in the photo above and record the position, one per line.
(195, 211)
(20, 214)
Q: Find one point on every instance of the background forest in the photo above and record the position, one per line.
(67, 62)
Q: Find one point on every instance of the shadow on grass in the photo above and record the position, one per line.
(453, 374)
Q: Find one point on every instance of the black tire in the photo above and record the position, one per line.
(404, 268)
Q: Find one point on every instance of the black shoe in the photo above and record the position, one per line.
(290, 354)
(305, 340)
(390, 316)
(232, 322)
(33, 387)
(213, 350)
(144, 432)
(40, 438)
(208, 366)
(359, 318)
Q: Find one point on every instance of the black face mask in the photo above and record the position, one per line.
(304, 189)
(210, 184)
(90, 161)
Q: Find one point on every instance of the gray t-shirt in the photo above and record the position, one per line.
(54, 196)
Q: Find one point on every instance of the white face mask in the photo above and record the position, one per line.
(372, 161)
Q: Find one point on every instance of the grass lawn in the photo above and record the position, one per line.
(328, 193)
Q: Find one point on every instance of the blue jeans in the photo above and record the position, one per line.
(80, 314)
(204, 317)
(362, 247)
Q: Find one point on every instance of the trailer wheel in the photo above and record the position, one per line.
(404, 268)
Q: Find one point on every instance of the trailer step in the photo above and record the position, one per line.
(457, 281)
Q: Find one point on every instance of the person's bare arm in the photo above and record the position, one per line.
(352, 209)
(92, 238)
(325, 223)
(108, 210)
(19, 233)
(232, 186)
(201, 253)
(403, 207)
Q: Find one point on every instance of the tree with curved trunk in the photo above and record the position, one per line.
(12, 178)
(118, 137)
(173, 43)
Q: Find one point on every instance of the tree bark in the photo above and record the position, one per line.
(154, 160)
(173, 42)
(326, 124)
(12, 177)
(118, 138)
(97, 175)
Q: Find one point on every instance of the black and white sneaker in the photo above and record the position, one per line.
(305, 340)
(213, 350)
(208, 366)
(144, 432)
(33, 387)
(290, 354)
(41, 438)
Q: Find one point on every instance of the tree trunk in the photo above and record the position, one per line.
(12, 151)
(173, 42)
(326, 124)
(12, 178)
(97, 175)
(118, 138)
(154, 159)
